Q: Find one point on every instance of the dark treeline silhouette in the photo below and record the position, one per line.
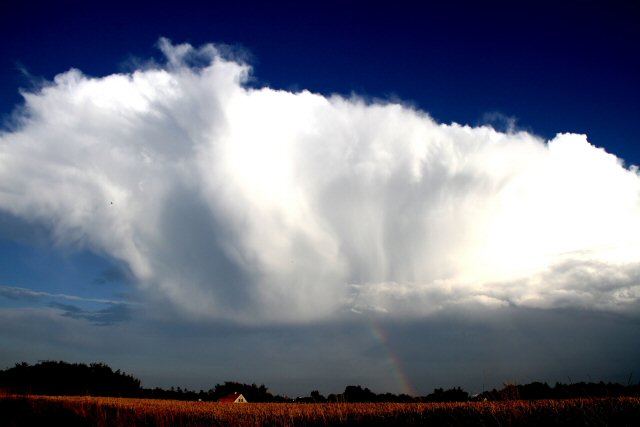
(358, 394)
(452, 395)
(537, 390)
(253, 393)
(61, 378)
(98, 379)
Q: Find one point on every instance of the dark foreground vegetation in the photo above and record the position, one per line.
(75, 411)
(66, 379)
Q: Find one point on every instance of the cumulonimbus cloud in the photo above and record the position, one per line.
(254, 204)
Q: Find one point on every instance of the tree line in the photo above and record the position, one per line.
(97, 379)
(62, 378)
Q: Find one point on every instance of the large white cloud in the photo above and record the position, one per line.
(264, 205)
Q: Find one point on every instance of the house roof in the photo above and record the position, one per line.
(230, 398)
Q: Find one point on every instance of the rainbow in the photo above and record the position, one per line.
(399, 372)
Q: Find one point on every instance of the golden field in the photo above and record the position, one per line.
(102, 411)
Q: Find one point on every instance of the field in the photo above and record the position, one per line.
(98, 411)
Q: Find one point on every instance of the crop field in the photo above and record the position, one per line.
(99, 411)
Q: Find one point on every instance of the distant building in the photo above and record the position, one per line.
(233, 398)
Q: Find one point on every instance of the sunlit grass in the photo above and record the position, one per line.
(104, 411)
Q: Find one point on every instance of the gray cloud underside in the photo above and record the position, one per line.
(257, 205)
(113, 313)
(476, 351)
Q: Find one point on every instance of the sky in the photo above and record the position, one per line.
(316, 195)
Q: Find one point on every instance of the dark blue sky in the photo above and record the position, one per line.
(553, 66)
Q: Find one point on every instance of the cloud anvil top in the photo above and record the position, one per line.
(258, 205)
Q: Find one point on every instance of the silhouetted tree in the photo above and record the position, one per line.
(61, 378)
(535, 391)
(354, 393)
(452, 395)
(317, 397)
